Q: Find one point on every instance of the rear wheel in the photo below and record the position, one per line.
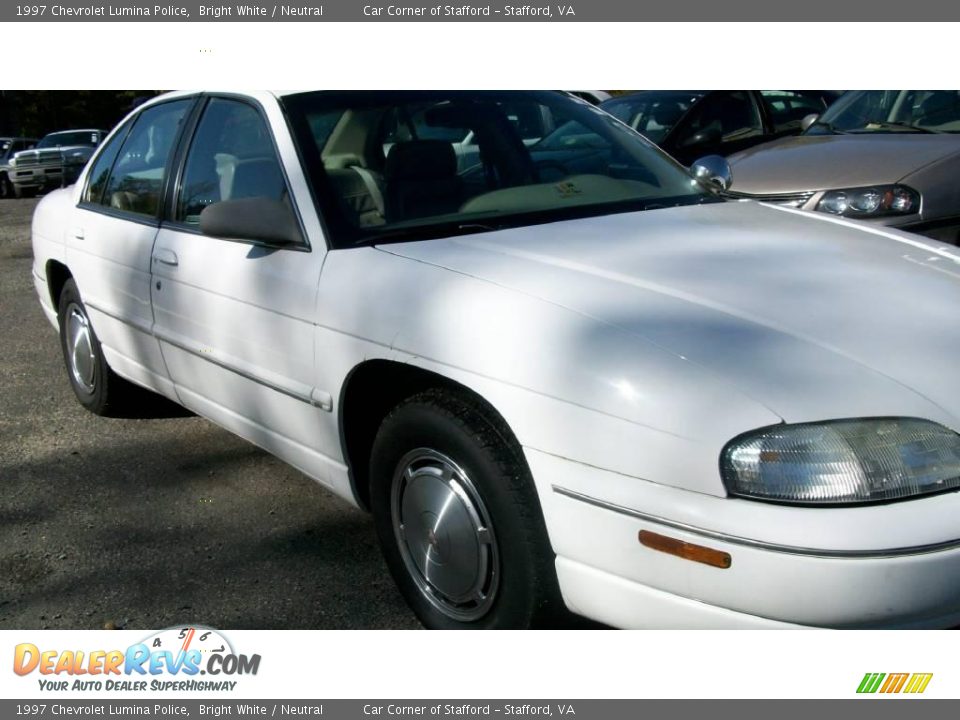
(97, 387)
(458, 517)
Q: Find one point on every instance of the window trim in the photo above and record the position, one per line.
(168, 219)
(127, 125)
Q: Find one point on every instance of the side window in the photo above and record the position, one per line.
(136, 181)
(100, 172)
(231, 157)
(788, 107)
(721, 117)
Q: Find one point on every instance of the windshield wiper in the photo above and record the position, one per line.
(902, 126)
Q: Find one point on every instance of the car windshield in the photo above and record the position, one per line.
(653, 114)
(67, 139)
(892, 111)
(396, 166)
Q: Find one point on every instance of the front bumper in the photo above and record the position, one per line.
(37, 178)
(832, 567)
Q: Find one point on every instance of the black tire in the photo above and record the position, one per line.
(520, 579)
(6, 187)
(107, 393)
(21, 192)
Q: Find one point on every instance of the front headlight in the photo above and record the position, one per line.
(76, 158)
(12, 162)
(843, 461)
(867, 202)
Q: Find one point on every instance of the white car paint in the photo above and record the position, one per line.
(623, 351)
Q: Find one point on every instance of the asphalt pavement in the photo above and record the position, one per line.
(160, 522)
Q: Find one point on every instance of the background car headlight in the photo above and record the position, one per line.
(875, 201)
(75, 158)
(12, 162)
(843, 461)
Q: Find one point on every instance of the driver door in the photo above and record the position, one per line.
(234, 318)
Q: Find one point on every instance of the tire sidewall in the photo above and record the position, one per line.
(94, 401)
(418, 425)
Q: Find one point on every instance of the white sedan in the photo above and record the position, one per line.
(611, 391)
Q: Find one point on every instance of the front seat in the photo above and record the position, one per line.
(421, 180)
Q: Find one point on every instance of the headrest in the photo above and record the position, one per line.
(421, 160)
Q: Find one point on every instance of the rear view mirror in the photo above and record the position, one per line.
(258, 218)
(808, 120)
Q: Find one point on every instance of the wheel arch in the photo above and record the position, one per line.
(371, 390)
(57, 276)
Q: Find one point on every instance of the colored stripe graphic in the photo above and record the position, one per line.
(870, 682)
(894, 682)
(918, 683)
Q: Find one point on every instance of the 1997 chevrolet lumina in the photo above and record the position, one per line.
(560, 378)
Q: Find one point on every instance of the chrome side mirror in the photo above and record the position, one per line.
(713, 171)
(808, 120)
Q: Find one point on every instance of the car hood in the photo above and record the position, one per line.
(811, 316)
(45, 152)
(822, 162)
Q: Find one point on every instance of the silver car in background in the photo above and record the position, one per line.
(885, 156)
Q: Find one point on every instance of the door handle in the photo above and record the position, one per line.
(165, 256)
(77, 233)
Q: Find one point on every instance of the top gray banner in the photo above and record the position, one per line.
(492, 11)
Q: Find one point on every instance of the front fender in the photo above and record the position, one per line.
(567, 384)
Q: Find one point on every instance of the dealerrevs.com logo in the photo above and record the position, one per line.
(894, 683)
(172, 659)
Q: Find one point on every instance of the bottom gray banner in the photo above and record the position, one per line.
(879, 709)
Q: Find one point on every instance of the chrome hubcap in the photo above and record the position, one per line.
(444, 534)
(80, 348)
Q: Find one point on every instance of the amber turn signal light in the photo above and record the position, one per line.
(685, 550)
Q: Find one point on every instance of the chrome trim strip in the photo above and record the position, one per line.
(758, 544)
(302, 397)
(314, 397)
(134, 323)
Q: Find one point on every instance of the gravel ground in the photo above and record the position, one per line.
(153, 523)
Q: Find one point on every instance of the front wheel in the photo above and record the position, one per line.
(6, 187)
(458, 517)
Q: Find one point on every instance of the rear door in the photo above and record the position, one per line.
(111, 235)
(235, 317)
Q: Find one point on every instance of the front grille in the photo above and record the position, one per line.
(798, 199)
(39, 159)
